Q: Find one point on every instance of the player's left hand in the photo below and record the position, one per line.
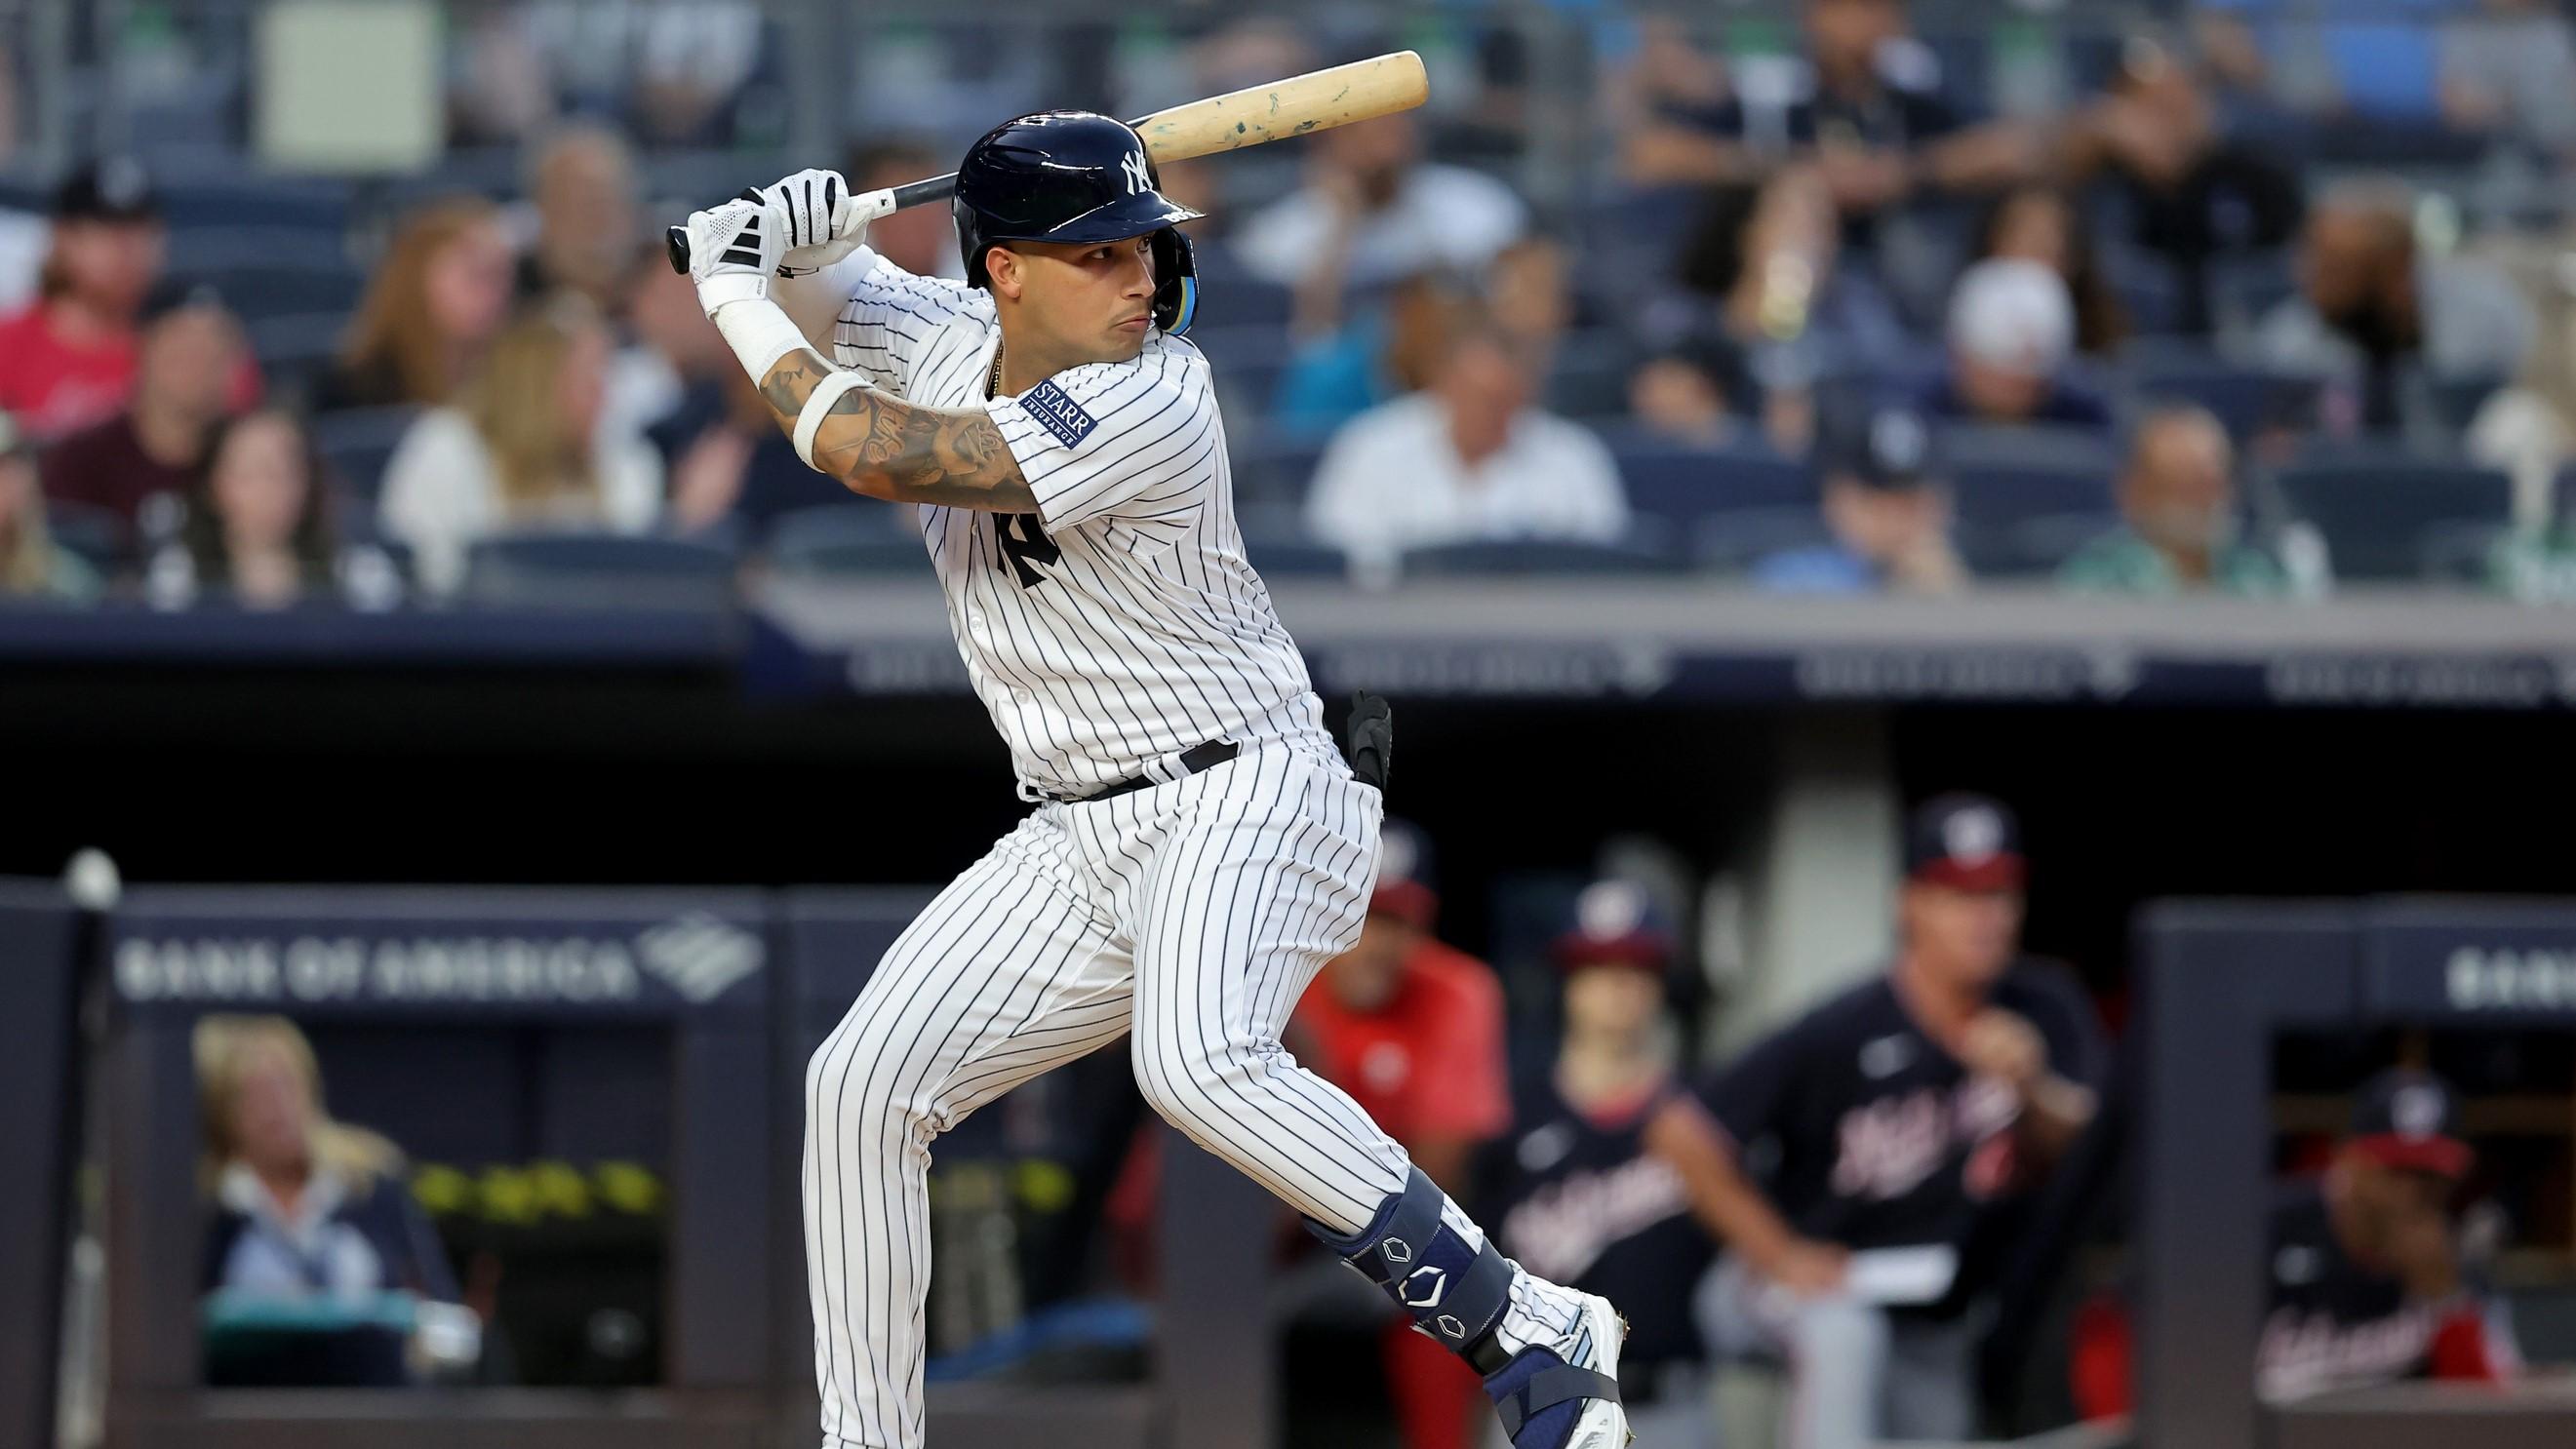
(733, 250)
(2001, 1045)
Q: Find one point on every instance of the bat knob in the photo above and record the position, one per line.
(675, 241)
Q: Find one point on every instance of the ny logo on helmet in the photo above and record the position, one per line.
(1134, 166)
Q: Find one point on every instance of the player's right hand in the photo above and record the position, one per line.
(1806, 1267)
(823, 221)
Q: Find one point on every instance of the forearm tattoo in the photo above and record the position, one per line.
(889, 448)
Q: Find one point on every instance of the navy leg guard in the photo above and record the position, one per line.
(1454, 1294)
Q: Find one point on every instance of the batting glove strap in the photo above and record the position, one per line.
(1454, 1293)
(809, 420)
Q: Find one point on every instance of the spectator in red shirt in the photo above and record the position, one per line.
(68, 360)
(191, 348)
(1413, 1030)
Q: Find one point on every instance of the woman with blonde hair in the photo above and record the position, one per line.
(31, 564)
(439, 297)
(522, 448)
(310, 1215)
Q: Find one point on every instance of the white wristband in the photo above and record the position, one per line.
(810, 420)
(759, 333)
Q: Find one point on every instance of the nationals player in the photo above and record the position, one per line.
(1198, 848)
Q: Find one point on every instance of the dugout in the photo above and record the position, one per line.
(468, 1025)
(2218, 982)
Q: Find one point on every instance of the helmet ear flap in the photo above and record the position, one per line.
(1176, 282)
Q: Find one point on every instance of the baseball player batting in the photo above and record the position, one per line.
(1199, 847)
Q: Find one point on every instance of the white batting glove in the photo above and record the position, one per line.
(824, 222)
(733, 250)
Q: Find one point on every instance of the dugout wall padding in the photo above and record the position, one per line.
(38, 1141)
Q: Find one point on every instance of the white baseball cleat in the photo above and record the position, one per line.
(1565, 1395)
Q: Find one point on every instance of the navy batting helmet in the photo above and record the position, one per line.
(1073, 176)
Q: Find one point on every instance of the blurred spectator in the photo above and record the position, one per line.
(582, 181)
(1468, 458)
(1371, 355)
(1766, 291)
(259, 527)
(2011, 334)
(441, 295)
(1532, 301)
(1888, 508)
(1413, 1031)
(68, 360)
(2040, 224)
(732, 463)
(676, 366)
(307, 1213)
(2392, 332)
(2178, 497)
(2510, 68)
(1866, 107)
(2367, 1283)
(1681, 393)
(1886, 1125)
(521, 448)
(1611, 1160)
(2194, 190)
(1665, 103)
(32, 565)
(920, 239)
(190, 346)
(2529, 428)
(1372, 211)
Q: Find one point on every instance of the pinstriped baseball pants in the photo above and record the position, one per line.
(1189, 916)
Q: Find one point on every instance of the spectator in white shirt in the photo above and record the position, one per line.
(523, 448)
(1372, 212)
(1467, 459)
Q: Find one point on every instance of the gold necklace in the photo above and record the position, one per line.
(993, 384)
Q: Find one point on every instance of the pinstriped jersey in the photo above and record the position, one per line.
(1119, 624)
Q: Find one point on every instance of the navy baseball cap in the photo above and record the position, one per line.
(116, 188)
(1404, 888)
(1615, 924)
(1887, 446)
(1966, 842)
(2410, 1119)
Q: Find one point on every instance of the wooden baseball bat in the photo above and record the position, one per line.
(1254, 116)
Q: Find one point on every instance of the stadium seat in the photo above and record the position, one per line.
(598, 569)
(1229, 296)
(1588, 376)
(1275, 467)
(1248, 359)
(1680, 484)
(190, 205)
(2397, 518)
(1648, 550)
(843, 538)
(2027, 498)
(97, 536)
(256, 290)
(2245, 286)
(2149, 291)
(2247, 400)
(294, 350)
(197, 251)
(1275, 540)
(356, 444)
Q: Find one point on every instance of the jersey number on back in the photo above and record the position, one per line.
(1023, 546)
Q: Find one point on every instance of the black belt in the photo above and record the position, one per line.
(1197, 760)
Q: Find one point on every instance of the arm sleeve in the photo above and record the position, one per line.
(1138, 441)
(886, 314)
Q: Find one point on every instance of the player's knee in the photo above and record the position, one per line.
(850, 1087)
(1180, 1077)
